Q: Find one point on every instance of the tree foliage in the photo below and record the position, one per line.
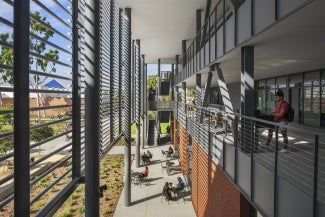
(152, 81)
(37, 46)
(6, 58)
(6, 144)
(6, 118)
(41, 133)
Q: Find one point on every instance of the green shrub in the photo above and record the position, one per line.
(6, 144)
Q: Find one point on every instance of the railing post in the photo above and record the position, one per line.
(252, 157)
(275, 167)
(236, 145)
(315, 174)
(210, 149)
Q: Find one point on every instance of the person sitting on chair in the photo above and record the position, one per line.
(166, 191)
(180, 185)
(144, 173)
(148, 154)
(170, 151)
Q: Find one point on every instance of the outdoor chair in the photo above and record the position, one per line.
(180, 194)
(164, 154)
(164, 196)
(143, 180)
(175, 154)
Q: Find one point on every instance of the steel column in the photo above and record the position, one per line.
(198, 91)
(172, 81)
(247, 81)
(159, 80)
(184, 54)
(76, 94)
(177, 62)
(247, 90)
(137, 137)
(145, 98)
(127, 127)
(184, 93)
(21, 108)
(92, 101)
(198, 28)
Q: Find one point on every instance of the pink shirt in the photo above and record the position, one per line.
(278, 107)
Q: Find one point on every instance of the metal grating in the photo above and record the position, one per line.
(115, 68)
(105, 72)
(50, 100)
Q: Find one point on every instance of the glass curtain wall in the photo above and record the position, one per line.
(304, 91)
(312, 98)
(322, 105)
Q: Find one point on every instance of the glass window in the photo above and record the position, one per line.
(270, 83)
(311, 106)
(261, 84)
(311, 78)
(281, 83)
(295, 80)
(270, 100)
(260, 100)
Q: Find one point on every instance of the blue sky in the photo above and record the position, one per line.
(153, 68)
(6, 11)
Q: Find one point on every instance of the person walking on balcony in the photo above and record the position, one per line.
(280, 116)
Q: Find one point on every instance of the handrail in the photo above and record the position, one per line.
(203, 26)
(300, 167)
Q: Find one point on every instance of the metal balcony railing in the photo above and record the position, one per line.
(190, 62)
(229, 138)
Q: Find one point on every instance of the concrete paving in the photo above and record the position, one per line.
(146, 200)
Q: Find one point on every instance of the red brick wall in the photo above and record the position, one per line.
(175, 137)
(183, 142)
(213, 194)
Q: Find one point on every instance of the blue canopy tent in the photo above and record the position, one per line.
(53, 84)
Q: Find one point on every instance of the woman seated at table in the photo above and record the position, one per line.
(180, 185)
(166, 191)
(170, 151)
(144, 173)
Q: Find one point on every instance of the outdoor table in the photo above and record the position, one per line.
(135, 177)
(169, 165)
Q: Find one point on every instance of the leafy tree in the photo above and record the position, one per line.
(41, 133)
(6, 58)
(152, 81)
(37, 46)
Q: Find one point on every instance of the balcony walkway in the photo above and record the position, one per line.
(146, 199)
